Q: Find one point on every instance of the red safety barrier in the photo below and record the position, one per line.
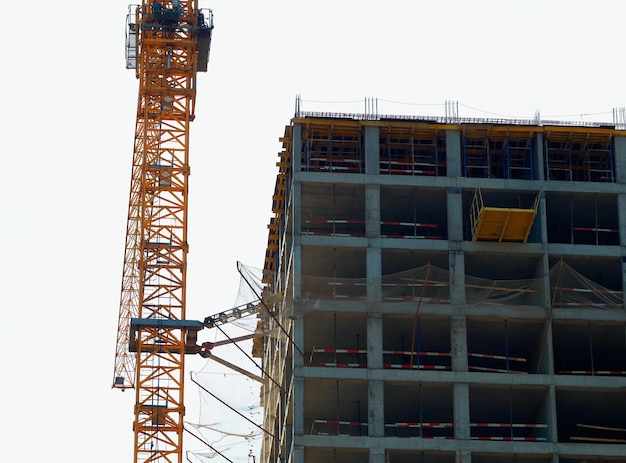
(342, 221)
(495, 370)
(419, 237)
(317, 233)
(409, 224)
(415, 298)
(508, 425)
(349, 423)
(421, 425)
(611, 230)
(587, 290)
(341, 365)
(593, 372)
(340, 351)
(417, 367)
(508, 438)
(497, 357)
(408, 352)
(407, 171)
(382, 222)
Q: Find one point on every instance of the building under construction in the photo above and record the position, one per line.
(446, 290)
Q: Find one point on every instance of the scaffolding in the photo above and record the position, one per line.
(279, 205)
(337, 148)
(579, 156)
(412, 151)
(497, 154)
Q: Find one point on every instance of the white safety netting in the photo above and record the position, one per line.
(230, 419)
(230, 416)
(564, 287)
(571, 289)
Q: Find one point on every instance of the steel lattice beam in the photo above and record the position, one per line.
(166, 35)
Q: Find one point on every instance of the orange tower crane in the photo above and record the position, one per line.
(167, 43)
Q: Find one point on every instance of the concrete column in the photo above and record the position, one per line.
(544, 299)
(457, 276)
(454, 160)
(551, 415)
(619, 155)
(376, 408)
(463, 457)
(542, 218)
(296, 203)
(544, 296)
(297, 268)
(455, 214)
(621, 220)
(298, 337)
(288, 447)
(298, 407)
(546, 365)
(458, 343)
(374, 274)
(538, 158)
(296, 210)
(460, 392)
(374, 340)
(298, 454)
(372, 211)
(372, 149)
(377, 455)
(455, 246)
(296, 148)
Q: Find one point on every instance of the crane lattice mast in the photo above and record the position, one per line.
(167, 43)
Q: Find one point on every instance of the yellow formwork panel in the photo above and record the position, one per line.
(501, 223)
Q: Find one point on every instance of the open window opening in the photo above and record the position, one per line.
(508, 413)
(418, 410)
(416, 343)
(591, 416)
(333, 209)
(335, 340)
(505, 346)
(590, 349)
(504, 279)
(416, 213)
(335, 407)
(420, 456)
(415, 276)
(335, 455)
(582, 218)
(333, 273)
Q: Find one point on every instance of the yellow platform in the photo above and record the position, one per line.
(501, 223)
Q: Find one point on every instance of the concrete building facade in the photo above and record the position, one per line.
(446, 291)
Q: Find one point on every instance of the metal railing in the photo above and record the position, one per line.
(456, 120)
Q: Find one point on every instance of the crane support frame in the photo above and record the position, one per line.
(165, 37)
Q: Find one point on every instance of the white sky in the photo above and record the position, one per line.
(68, 115)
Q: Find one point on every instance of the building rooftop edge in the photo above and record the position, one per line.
(456, 120)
